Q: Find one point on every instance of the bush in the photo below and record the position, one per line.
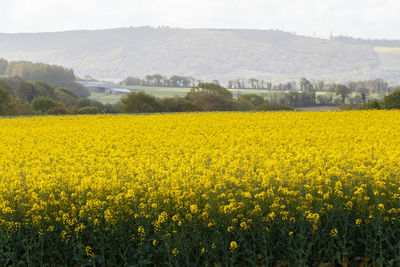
(273, 107)
(254, 99)
(111, 108)
(84, 102)
(211, 96)
(23, 109)
(7, 102)
(177, 104)
(66, 96)
(373, 104)
(139, 102)
(79, 90)
(98, 105)
(88, 110)
(392, 101)
(346, 107)
(60, 110)
(43, 103)
(243, 105)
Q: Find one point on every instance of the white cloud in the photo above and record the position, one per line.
(360, 18)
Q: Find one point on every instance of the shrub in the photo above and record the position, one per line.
(392, 101)
(273, 107)
(43, 103)
(60, 110)
(139, 102)
(373, 104)
(88, 110)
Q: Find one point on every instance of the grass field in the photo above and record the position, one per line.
(105, 98)
(201, 189)
(162, 92)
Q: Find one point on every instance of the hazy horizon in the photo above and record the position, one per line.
(357, 18)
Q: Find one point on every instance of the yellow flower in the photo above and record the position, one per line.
(71, 175)
(233, 246)
(89, 252)
(244, 225)
(175, 251)
(334, 232)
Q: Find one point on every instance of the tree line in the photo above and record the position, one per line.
(23, 97)
(159, 80)
(300, 93)
(214, 97)
(53, 74)
(364, 87)
(202, 97)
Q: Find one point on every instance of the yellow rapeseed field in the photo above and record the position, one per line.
(201, 185)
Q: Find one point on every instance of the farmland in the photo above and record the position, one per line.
(294, 188)
(162, 92)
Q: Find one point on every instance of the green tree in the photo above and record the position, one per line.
(319, 85)
(43, 103)
(392, 101)
(374, 104)
(253, 82)
(84, 102)
(149, 79)
(131, 81)
(243, 105)
(305, 84)
(139, 102)
(3, 66)
(157, 78)
(254, 99)
(7, 102)
(66, 96)
(363, 93)
(47, 88)
(177, 104)
(211, 96)
(343, 91)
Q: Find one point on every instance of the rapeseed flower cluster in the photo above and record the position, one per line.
(206, 178)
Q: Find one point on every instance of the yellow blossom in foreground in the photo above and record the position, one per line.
(229, 172)
(334, 232)
(233, 245)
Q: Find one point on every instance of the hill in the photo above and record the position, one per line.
(202, 53)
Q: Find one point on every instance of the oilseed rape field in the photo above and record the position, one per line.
(195, 189)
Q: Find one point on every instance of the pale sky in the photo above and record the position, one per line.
(358, 18)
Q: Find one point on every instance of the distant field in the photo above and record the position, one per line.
(167, 92)
(179, 91)
(389, 56)
(104, 98)
(162, 92)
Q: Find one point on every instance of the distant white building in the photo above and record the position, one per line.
(105, 87)
(117, 91)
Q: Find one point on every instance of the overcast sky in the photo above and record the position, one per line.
(358, 18)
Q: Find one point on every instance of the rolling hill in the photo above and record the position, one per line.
(204, 53)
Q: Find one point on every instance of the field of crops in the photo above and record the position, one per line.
(279, 188)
